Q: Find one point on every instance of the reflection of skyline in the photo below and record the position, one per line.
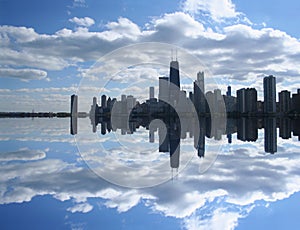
(246, 129)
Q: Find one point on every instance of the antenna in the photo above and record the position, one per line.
(171, 54)
(176, 54)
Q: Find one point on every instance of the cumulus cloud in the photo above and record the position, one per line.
(123, 28)
(236, 51)
(86, 21)
(24, 74)
(217, 9)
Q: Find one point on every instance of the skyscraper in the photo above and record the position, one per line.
(199, 98)
(174, 73)
(270, 94)
(284, 101)
(151, 92)
(163, 94)
(174, 86)
(74, 114)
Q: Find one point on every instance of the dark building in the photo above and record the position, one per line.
(228, 93)
(251, 100)
(269, 94)
(284, 101)
(241, 100)
(247, 129)
(103, 101)
(191, 97)
(296, 102)
(174, 73)
(285, 128)
(74, 114)
(74, 105)
(270, 135)
(174, 86)
(247, 100)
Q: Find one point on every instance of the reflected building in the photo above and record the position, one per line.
(270, 135)
(247, 129)
(285, 128)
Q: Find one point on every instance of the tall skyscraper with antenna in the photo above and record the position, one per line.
(174, 80)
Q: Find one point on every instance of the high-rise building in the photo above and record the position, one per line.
(270, 94)
(130, 103)
(199, 94)
(251, 100)
(218, 99)
(296, 102)
(103, 101)
(74, 114)
(240, 100)
(228, 93)
(174, 78)
(151, 92)
(284, 101)
(247, 100)
(74, 105)
(210, 105)
(174, 73)
(163, 94)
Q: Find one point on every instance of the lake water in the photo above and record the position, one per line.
(121, 180)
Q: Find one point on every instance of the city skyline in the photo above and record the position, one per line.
(245, 103)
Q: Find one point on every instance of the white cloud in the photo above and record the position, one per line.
(219, 219)
(24, 74)
(178, 23)
(123, 28)
(86, 21)
(217, 9)
(83, 208)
